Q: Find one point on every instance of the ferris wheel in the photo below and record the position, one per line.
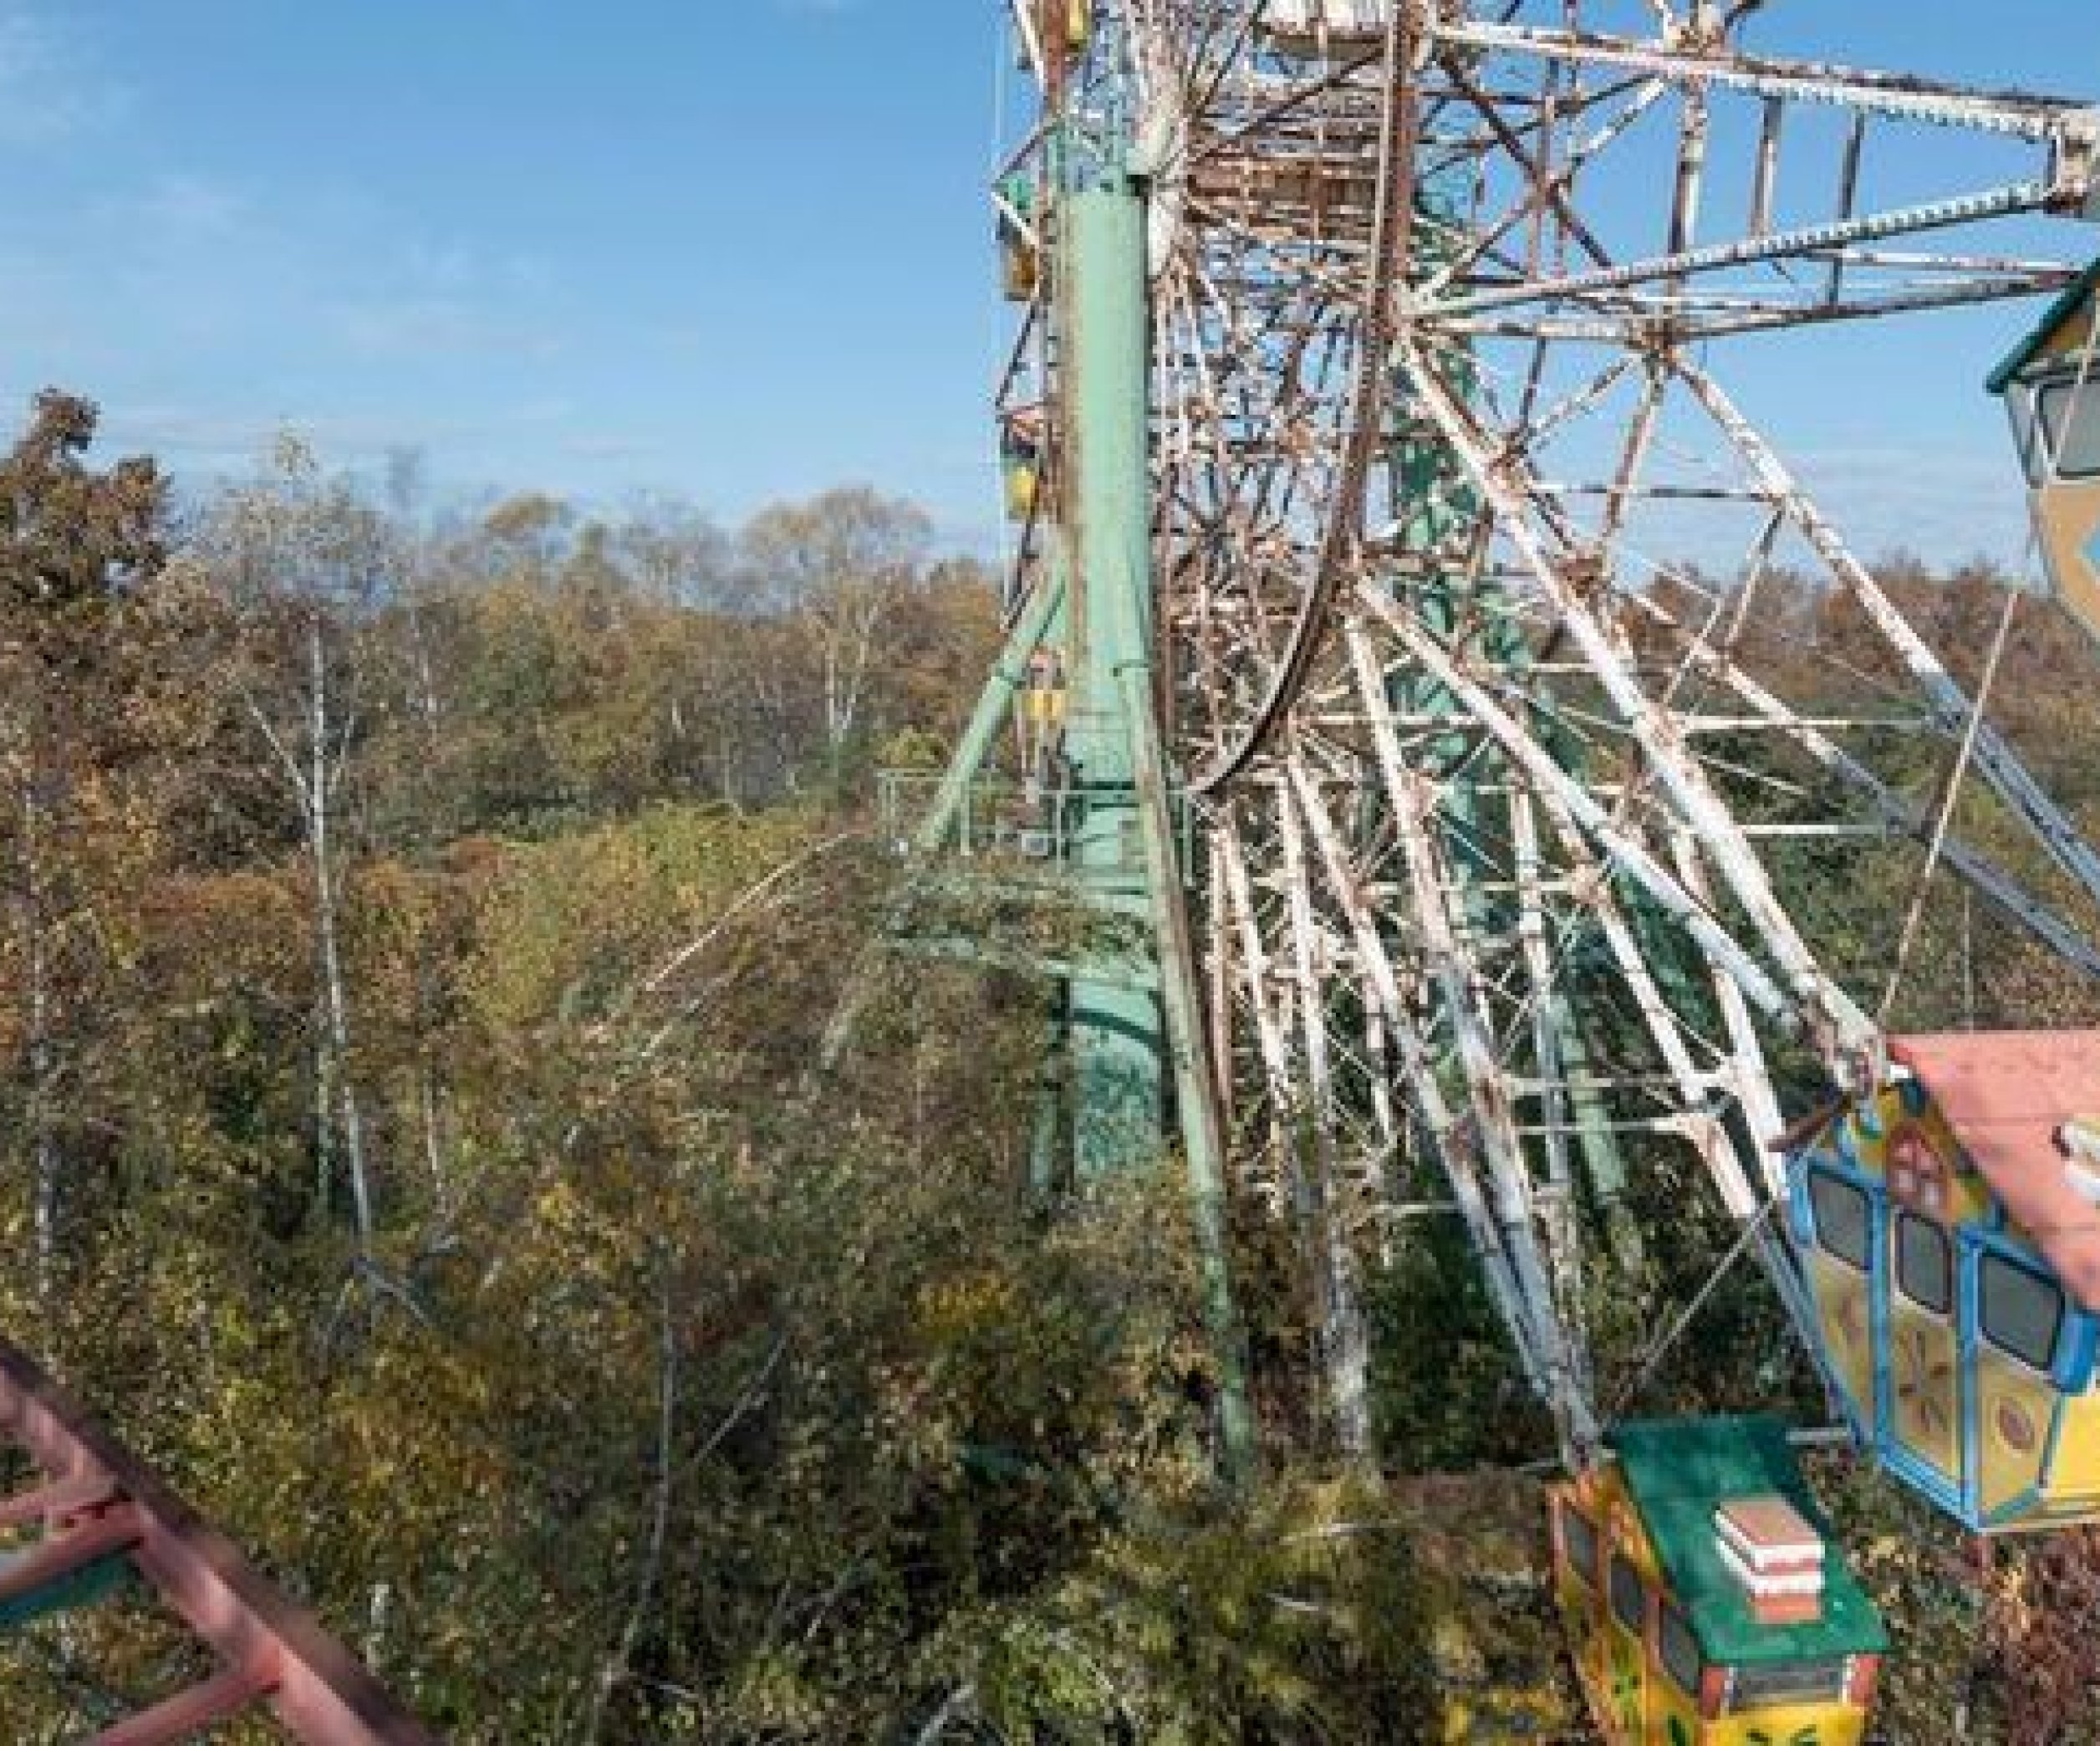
(1470, 766)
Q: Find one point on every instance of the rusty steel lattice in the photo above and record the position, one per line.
(98, 1519)
(1490, 785)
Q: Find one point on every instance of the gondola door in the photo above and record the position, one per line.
(2019, 1324)
(1840, 1238)
(1924, 1349)
(2055, 408)
(1626, 1691)
(1923, 1379)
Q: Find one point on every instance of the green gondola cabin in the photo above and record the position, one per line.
(1705, 1600)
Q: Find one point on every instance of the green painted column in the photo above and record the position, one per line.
(1118, 1053)
(1125, 1046)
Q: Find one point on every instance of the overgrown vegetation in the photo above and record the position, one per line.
(416, 941)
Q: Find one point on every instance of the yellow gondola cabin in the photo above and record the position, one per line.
(1020, 463)
(2051, 386)
(1953, 1246)
(1705, 1600)
(1020, 255)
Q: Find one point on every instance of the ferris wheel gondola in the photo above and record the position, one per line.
(2051, 391)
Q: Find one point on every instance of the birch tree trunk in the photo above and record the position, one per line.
(45, 1163)
(320, 783)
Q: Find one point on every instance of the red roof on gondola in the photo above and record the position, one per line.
(2005, 1094)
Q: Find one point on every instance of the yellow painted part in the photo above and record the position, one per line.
(1582, 1608)
(1022, 484)
(2006, 1390)
(1834, 1724)
(1627, 1679)
(1042, 708)
(1868, 1133)
(2074, 1477)
(1873, 1132)
(2072, 334)
(1847, 1318)
(1927, 1395)
(1973, 1201)
(2066, 518)
(2015, 1406)
(1634, 1701)
(1619, 1519)
(1631, 1699)
(1582, 1616)
(1969, 1196)
(1078, 22)
(1017, 267)
(1599, 1648)
(1665, 1703)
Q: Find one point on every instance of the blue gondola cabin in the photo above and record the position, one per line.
(1706, 1600)
(2051, 386)
(1950, 1231)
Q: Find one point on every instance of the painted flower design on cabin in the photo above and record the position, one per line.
(1627, 1689)
(1809, 1734)
(1918, 1175)
(1925, 1382)
(1848, 1317)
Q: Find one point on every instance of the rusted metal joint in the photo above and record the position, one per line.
(1704, 32)
(1654, 337)
(2075, 170)
(1585, 573)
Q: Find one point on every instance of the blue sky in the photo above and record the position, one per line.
(727, 252)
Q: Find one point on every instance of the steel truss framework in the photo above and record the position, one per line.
(98, 1519)
(1438, 291)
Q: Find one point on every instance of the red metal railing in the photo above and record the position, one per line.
(97, 1502)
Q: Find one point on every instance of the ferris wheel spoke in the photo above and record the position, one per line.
(1622, 847)
(1752, 1083)
(1846, 1029)
(2065, 139)
(1693, 1086)
(1905, 816)
(2004, 201)
(1640, 436)
(1256, 978)
(2021, 115)
(1994, 759)
(1541, 193)
(1457, 973)
(1023, 14)
(1571, 1107)
(1490, 1186)
(1305, 1149)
